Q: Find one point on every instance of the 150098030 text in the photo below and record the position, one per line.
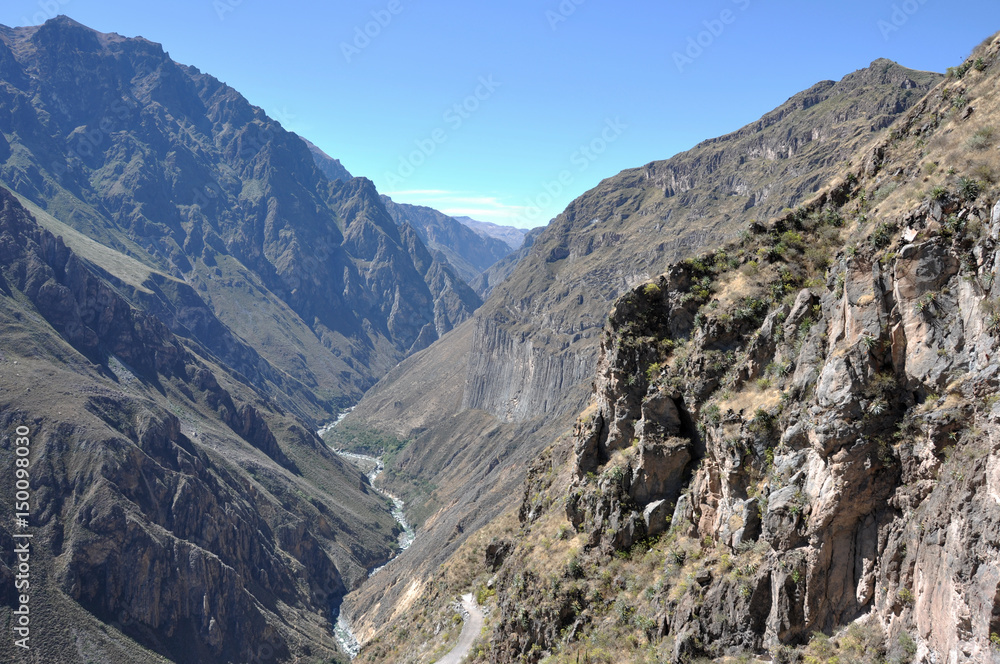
(22, 539)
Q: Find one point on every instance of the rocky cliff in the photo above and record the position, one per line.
(792, 443)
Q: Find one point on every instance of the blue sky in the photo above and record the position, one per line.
(506, 111)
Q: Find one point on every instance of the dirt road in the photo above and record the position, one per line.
(470, 630)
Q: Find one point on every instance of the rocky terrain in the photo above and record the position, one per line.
(176, 510)
(791, 442)
(513, 378)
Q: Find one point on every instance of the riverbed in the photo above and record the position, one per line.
(372, 467)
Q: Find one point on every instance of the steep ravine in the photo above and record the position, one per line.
(792, 448)
(484, 401)
(372, 467)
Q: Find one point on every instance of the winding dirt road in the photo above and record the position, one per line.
(470, 630)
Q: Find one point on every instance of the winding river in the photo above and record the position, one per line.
(372, 467)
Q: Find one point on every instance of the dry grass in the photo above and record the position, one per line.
(750, 399)
(121, 266)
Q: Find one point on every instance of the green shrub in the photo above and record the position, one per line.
(882, 235)
(969, 188)
(574, 569)
(983, 138)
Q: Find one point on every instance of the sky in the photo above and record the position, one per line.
(507, 111)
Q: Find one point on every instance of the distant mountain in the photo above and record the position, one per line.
(513, 236)
(469, 252)
(331, 168)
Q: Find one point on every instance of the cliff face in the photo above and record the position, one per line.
(794, 436)
(541, 324)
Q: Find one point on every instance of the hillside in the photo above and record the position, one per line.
(187, 291)
(519, 372)
(177, 512)
(791, 439)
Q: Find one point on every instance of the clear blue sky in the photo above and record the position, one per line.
(552, 77)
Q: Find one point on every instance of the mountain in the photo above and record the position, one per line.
(330, 167)
(511, 235)
(311, 277)
(790, 444)
(469, 253)
(515, 376)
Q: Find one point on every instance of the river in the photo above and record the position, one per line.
(372, 467)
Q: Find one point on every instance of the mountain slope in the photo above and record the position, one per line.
(331, 168)
(533, 349)
(792, 439)
(177, 171)
(176, 512)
